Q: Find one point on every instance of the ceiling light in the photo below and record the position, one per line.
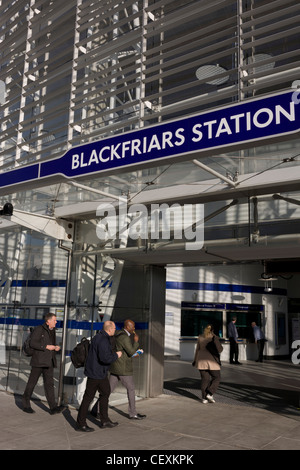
(268, 287)
(211, 71)
(255, 59)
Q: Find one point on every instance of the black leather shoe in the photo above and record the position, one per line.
(85, 428)
(108, 424)
(28, 410)
(57, 409)
(138, 416)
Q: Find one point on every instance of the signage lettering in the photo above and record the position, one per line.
(201, 131)
(236, 126)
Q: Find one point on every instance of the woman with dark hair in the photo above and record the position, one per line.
(207, 360)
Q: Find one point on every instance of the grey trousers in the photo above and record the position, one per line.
(127, 381)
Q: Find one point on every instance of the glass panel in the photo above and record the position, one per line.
(32, 272)
(280, 329)
(243, 322)
(95, 299)
(193, 322)
(12, 334)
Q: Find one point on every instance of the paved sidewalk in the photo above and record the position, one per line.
(176, 420)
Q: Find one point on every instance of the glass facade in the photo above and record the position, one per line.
(80, 71)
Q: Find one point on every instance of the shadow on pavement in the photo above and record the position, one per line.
(284, 402)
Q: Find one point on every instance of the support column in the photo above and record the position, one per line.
(156, 336)
(141, 297)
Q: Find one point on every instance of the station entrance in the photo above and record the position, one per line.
(137, 292)
(116, 283)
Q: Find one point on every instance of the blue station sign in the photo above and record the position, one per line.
(240, 125)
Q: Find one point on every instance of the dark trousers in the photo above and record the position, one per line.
(92, 386)
(35, 374)
(261, 345)
(210, 380)
(234, 351)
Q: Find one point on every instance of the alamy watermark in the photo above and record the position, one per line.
(154, 223)
(296, 354)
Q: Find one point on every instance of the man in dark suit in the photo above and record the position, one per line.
(99, 358)
(43, 361)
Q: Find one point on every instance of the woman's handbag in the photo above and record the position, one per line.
(212, 348)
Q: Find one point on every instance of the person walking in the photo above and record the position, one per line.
(233, 340)
(121, 370)
(208, 363)
(127, 341)
(43, 361)
(99, 359)
(260, 340)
